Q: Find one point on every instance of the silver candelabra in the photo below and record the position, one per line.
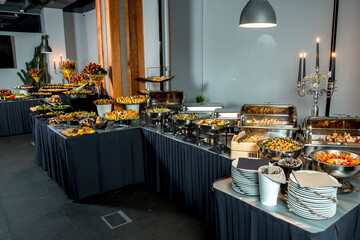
(315, 88)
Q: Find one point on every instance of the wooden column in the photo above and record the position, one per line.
(99, 26)
(113, 47)
(135, 44)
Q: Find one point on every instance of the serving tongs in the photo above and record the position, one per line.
(244, 135)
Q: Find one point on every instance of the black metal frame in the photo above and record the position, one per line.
(332, 49)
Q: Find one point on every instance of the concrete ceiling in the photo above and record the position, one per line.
(35, 6)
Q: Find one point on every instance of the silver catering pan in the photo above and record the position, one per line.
(213, 129)
(339, 171)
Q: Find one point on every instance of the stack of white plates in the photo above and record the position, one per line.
(312, 203)
(244, 181)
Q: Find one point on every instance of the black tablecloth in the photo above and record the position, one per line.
(85, 104)
(184, 172)
(91, 164)
(14, 116)
(237, 219)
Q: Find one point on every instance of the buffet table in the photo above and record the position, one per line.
(108, 160)
(244, 217)
(91, 164)
(14, 116)
(183, 171)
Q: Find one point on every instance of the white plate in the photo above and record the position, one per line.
(320, 190)
(312, 216)
(312, 199)
(293, 180)
(243, 179)
(250, 193)
(243, 173)
(308, 213)
(296, 205)
(310, 193)
(320, 206)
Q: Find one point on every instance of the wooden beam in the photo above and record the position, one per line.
(113, 47)
(135, 44)
(99, 26)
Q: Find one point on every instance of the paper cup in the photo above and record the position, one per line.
(102, 109)
(269, 190)
(135, 107)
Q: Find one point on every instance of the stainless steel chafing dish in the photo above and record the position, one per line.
(270, 120)
(317, 129)
(227, 113)
(173, 100)
(206, 108)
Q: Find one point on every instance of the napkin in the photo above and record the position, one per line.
(314, 179)
(251, 164)
(273, 173)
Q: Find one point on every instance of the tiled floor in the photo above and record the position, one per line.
(32, 206)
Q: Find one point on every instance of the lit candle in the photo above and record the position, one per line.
(304, 66)
(300, 61)
(333, 55)
(54, 66)
(317, 51)
(60, 58)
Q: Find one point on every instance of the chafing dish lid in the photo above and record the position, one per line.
(332, 122)
(209, 107)
(285, 109)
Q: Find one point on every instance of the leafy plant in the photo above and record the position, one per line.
(200, 98)
(36, 62)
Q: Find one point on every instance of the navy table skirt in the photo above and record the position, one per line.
(244, 217)
(93, 164)
(14, 116)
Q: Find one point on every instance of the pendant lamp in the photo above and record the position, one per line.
(257, 14)
(45, 45)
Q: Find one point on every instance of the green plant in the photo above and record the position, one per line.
(200, 98)
(36, 62)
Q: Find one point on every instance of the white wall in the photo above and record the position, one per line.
(151, 33)
(76, 39)
(71, 34)
(186, 51)
(91, 36)
(81, 38)
(260, 65)
(53, 25)
(347, 100)
(24, 51)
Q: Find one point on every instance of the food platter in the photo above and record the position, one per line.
(131, 100)
(74, 132)
(155, 79)
(212, 126)
(184, 119)
(339, 171)
(124, 115)
(279, 153)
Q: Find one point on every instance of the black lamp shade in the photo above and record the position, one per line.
(45, 46)
(257, 14)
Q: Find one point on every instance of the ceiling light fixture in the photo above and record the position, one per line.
(45, 45)
(258, 14)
